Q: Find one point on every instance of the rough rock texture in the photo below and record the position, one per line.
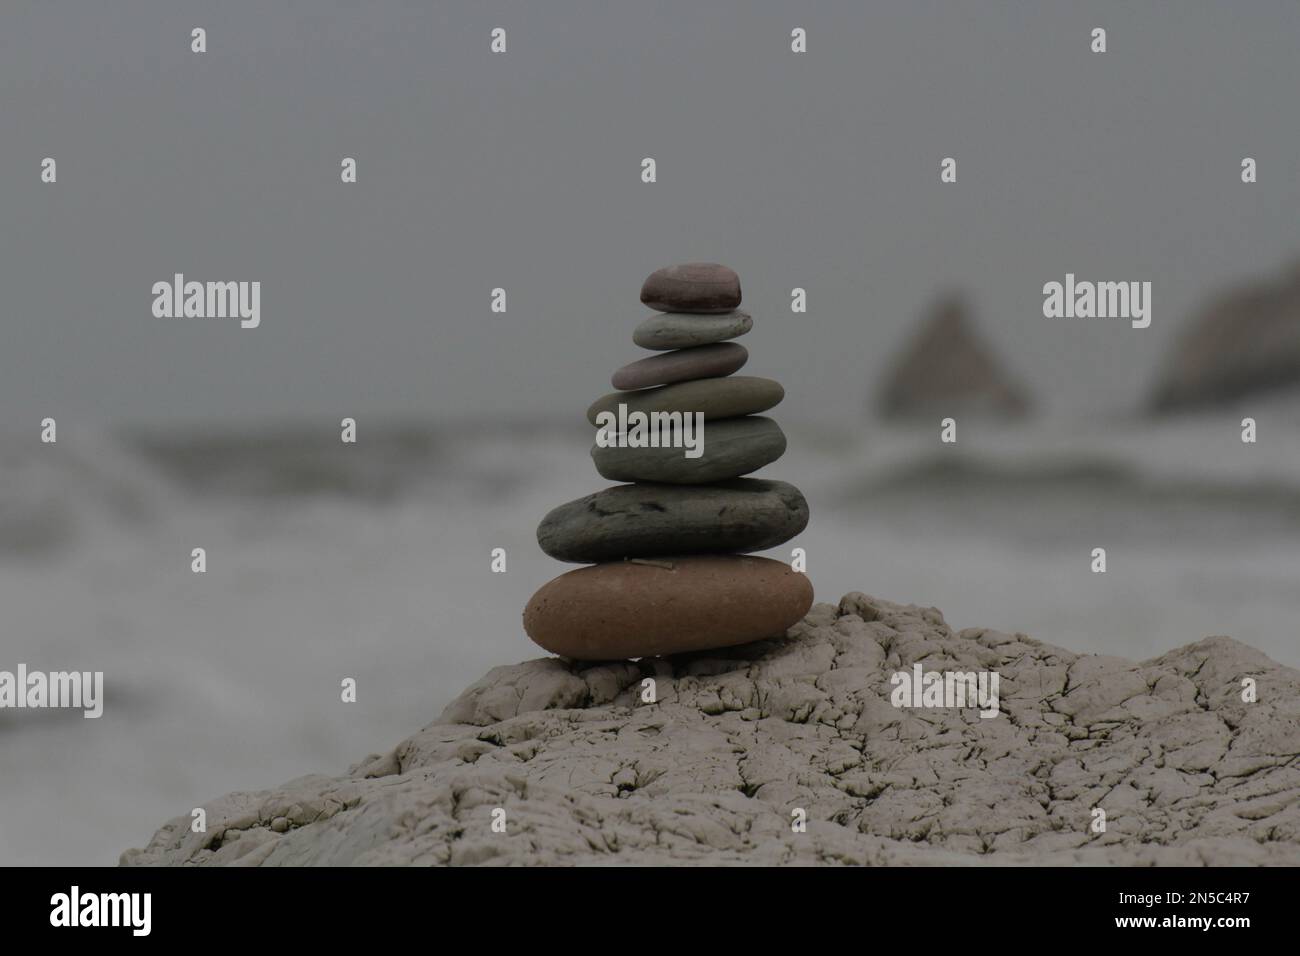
(948, 370)
(587, 773)
(1245, 343)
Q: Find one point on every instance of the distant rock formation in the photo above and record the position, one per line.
(739, 743)
(1246, 342)
(947, 369)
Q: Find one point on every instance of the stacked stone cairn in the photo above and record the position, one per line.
(669, 551)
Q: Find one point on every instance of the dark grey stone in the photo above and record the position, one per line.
(648, 520)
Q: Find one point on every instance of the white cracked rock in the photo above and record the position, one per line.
(739, 740)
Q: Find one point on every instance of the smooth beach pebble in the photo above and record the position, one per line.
(731, 448)
(666, 606)
(715, 398)
(707, 361)
(701, 287)
(650, 519)
(680, 330)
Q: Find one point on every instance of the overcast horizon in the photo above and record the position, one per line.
(522, 170)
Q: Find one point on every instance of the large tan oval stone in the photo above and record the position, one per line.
(666, 606)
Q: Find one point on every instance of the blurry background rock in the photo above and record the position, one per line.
(1244, 345)
(947, 370)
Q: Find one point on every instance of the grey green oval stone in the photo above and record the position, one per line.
(732, 447)
(681, 330)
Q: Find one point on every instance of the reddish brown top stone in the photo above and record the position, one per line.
(702, 287)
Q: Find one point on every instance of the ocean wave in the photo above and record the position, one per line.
(1183, 470)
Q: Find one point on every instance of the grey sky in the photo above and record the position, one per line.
(522, 170)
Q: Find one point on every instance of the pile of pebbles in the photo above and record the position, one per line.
(670, 570)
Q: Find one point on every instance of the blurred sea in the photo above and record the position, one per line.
(371, 561)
